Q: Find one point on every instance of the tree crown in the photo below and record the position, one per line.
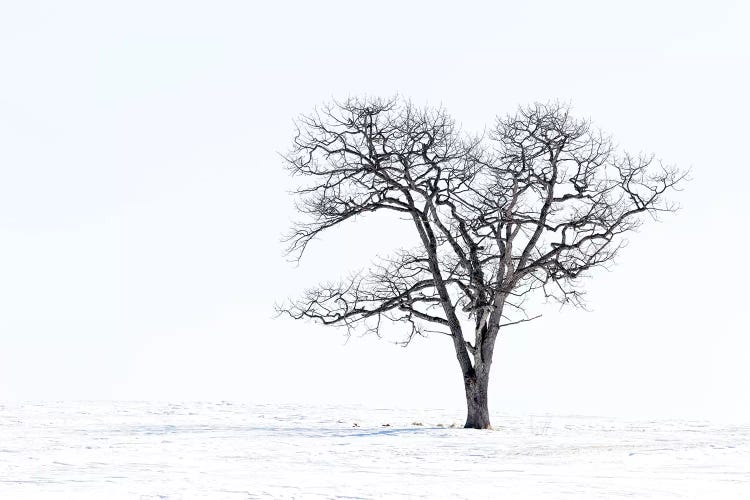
(531, 206)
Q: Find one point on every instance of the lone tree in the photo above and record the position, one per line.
(527, 209)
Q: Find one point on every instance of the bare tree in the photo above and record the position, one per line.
(528, 208)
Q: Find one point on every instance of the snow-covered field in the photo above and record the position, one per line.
(222, 450)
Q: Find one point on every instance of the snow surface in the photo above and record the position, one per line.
(222, 450)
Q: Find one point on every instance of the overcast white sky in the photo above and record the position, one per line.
(142, 199)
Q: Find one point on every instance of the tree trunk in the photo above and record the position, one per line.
(478, 414)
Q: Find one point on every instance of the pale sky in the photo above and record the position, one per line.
(142, 199)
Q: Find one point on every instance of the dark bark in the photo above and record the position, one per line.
(529, 209)
(478, 414)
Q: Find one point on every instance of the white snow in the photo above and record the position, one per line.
(222, 450)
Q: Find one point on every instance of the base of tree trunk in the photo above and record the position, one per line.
(478, 414)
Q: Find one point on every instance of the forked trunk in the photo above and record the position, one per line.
(478, 414)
